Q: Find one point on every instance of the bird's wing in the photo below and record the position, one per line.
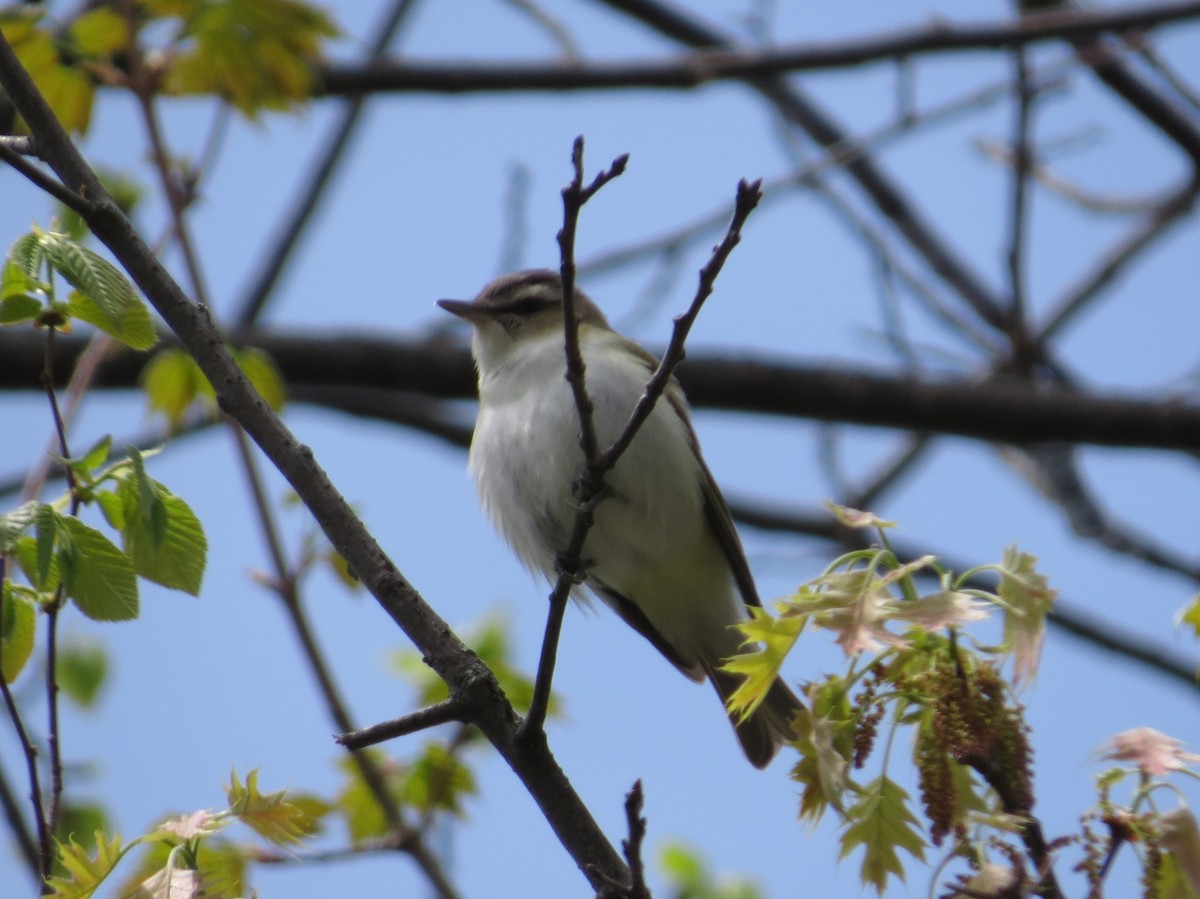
(715, 510)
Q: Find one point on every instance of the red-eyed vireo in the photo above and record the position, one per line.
(663, 551)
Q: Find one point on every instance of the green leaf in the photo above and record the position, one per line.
(1190, 616)
(20, 307)
(99, 33)
(13, 524)
(82, 822)
(271, 815)
(67, 89)
(881, 823)
(357, 803)
(113, 508)
(135, 327)
(23, 267)
(438, 780)
(144, 505)
(103, 297)
(257, 54)
(18, 619)
(84, 873)
(81, 671)
(27, 554)
(48, 528)
(102, 581)
(172, 383)
(260, 368)
(771, 639)
(178, 558)
(98, 454)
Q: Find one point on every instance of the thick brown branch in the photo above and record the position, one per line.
(693, 70)
(997, 410)
(442, 650)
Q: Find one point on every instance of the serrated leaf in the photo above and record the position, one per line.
(47, 524)
(20, 307)
(270, 815)
(84, 873)
(145, 508)
(103, 296)
(18, 622)
(771, 640)
(824, 763)
(135, 327)
(881, 823)
(81, 671)
(23, 267)
(102, 582)
(178, 558)
(81, 822)
(27, 549)
(14, 523)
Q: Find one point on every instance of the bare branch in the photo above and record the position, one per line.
(696, 69)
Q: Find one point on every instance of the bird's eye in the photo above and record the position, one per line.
(526, 306)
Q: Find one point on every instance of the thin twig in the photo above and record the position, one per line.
(1018, 334)
(569, 564)
(287, 589)
(560, 803)
(52, 719)
(443, 712)
(632, 847)
(13, 156)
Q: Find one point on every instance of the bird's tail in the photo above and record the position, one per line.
(770, 724)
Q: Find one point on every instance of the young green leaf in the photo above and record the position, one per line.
(48, 530)
(103, 297)
(84, 873)
(270, 815)
(357, 803)
(881, 823)
(438, 780)
(23, 268)
(102, 581)
(13, 524)
(81, 671)
(98, 454)
(18, 308)
(760, 666)
(172, 383)
(176, 559)
(18, 618)
(258, 54)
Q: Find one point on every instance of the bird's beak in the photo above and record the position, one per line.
(463, 309)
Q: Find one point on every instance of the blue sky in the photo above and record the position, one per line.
(203, 685)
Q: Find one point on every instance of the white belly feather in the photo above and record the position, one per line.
(651, 541)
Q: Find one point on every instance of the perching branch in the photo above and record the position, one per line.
(442, 650)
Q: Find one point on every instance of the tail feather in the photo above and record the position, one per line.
(770, 724)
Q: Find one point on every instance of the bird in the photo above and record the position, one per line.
(662, 552)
